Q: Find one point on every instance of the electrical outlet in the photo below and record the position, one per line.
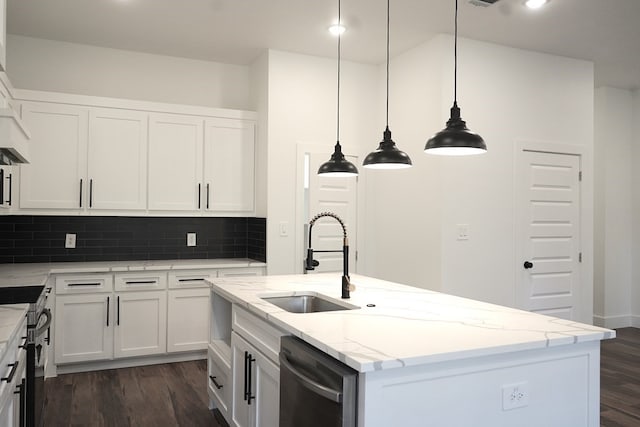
(515, 396)
(70, 241)
(191, 239)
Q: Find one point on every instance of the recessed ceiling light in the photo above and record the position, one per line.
(337, 29)
(535, 4)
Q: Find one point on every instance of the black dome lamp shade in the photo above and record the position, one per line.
(387, 156)
(456, 139)
(338, 165)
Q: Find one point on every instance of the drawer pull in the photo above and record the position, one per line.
(14, 368)
(213, 379)
(84, 284)
(141, 282)
(199, 279)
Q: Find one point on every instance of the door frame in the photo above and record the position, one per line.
(584, 313)
(303, 148)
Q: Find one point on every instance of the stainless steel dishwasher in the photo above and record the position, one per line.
(316, 390)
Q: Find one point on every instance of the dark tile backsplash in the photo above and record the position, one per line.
(26, 239)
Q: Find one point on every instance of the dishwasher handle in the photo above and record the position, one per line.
(324, 391)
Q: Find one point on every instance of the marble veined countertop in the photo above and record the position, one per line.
(37, 274)
(405, 326)
(11, 315)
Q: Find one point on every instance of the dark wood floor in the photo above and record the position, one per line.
(175, 394)
(160, 395)
(620, 380)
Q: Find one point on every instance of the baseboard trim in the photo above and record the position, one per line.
(130, 362)
(615, 322)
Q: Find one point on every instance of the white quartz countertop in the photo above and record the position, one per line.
(37, 274)
(11, 315)
(406, 325)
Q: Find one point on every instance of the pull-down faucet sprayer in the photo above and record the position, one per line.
(311, 263)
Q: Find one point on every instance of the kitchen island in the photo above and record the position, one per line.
(429, 359)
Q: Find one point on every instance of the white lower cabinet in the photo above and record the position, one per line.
(141, 323)
(83, 328)
(188, 326)
(219, 383)
(12, 385)
(256, 386)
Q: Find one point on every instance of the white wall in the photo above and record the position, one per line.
(635, 209)
(302, 109)
(259, 84)
(49, 65)
(506, 95)
(613, 208)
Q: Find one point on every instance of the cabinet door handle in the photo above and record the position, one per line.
(118, 318)
(199, 195)
(80, 192)
(14, 368)
(1, 186)
(48, 338)
(140, 282)
(91, 193)
(71, 285)
(10, 183)
(108, 310)
(246, 375)
(249, 396)
(207, 195)
(213, 379)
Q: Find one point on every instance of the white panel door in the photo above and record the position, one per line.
(549, 217)
(188, 319)
(56, 176)
(339, 196)
(141, 323)
(117, 155)
(175, 163)
(83, 328)
(229, 165)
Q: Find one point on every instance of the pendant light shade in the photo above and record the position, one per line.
(338, 165)
(387, 156)
(456, 139)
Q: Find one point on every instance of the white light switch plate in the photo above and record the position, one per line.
(463, 231)
(191, 239)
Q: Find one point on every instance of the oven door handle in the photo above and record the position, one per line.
(40, 330)
(324, 391)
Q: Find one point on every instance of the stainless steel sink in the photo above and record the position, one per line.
(306, 303)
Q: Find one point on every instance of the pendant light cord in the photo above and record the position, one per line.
(338, 109)
(455, 58)
(388, 9)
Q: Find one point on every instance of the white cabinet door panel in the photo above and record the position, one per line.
(58, 157)
(188, 323)
(83, 328)
(117, 159)
(175, 163)
(229, 165)
(141, 323)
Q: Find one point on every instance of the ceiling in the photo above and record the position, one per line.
(236, 31)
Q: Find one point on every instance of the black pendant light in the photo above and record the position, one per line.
(456, 138)
(338, 165)
(387, 156)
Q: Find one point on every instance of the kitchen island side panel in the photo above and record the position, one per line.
(552, 387)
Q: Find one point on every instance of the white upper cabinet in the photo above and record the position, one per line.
(229, 166)
(117, 158)
(175, 163)
(55, 177)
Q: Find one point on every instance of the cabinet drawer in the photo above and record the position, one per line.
(152, 280)
(219, 383)
(84, 283)
(13, 363)
(261, 334)
(190, 278)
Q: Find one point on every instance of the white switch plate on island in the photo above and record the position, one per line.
(191, 239)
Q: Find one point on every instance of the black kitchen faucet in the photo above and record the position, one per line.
(311, 264)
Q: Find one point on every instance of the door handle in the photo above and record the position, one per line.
(527, 265)
(9, 200)
(246, 375)
(80, 192)
(91, 193)
(207, 195)
(308, 383)
(118, 318)
(249, 396)
(108, 311)
(199, 195)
